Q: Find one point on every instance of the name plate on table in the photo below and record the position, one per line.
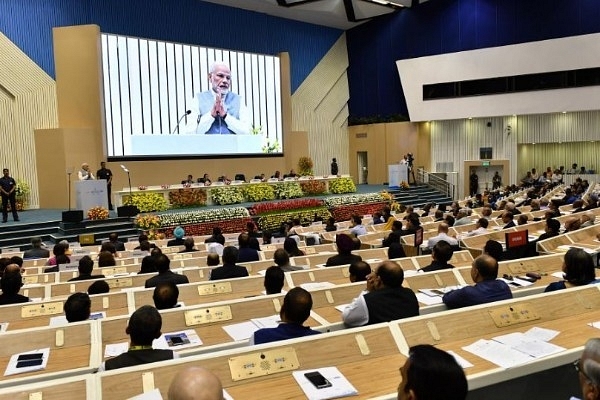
(310, 250)
(207, 315)
(120, 283)
(263, 363)
(114, 270)
(36, 310)
(28, 280)
(520, 268)
(214, 288)
(513, 314)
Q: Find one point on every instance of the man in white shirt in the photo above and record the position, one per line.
(442, 235)
(480, 227)
(84, 173)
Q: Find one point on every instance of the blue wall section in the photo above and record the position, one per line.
(446, 26)
(29, 23)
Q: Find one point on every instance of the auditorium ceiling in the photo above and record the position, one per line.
(340, 14)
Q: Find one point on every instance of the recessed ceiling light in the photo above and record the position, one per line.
(564, 112)
(470, 118)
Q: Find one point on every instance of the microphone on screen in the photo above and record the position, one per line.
(188, 112)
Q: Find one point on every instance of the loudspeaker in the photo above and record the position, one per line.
(72, 216)
(127, 211)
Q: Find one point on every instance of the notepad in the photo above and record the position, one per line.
(340, 386)
(34, 360)
(151, 395)
(177, 340)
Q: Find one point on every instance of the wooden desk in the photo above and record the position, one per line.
(461, 258)
(338, 349)
(335, 275)
(72, 388)
(325, 300)
(311, 260)
(72, 355)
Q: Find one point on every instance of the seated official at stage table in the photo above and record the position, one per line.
(219, 110)
(487, 289)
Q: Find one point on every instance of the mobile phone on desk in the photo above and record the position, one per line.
(318, 380)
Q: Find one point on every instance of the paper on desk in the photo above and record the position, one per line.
(262, 272)
(497, 353)
(340, 386)
(429, 300)
(516, 282)
(226, 396)
(3, 326)
(342, 307)
(240, 331)
(461, 361)
(558, 274)
(541, 333)
(316, 285)
(151, 395)
(13, 367)
(177, 340)
(59, 320)
(271, 321)
(595, 324)
(116, 349)
(410, 272)
(528, 345)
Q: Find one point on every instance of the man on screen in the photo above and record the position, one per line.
(221, 111)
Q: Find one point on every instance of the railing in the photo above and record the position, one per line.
(439, 184)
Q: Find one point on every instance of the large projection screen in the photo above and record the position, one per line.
(156, 93)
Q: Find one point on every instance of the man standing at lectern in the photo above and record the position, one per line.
(106, 174)
(220, 111)
(84, 173)
(7, 188)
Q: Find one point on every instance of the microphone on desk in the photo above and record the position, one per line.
(188, 112)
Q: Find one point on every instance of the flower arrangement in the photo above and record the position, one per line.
(142, 187)
(147, 221)
(226, 195)
(22, 189)
(389, 198)
(343, 213)
(286, 205)
(182, 198)
(313, 187)
(273, 221)
(335, 201)
(146, 202)
(288, 190)
(305, 166)
(404, 185)
(342, 185)
(259, 192)
(96, 213)
(196, 217)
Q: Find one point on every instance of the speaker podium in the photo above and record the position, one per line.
(90, 193)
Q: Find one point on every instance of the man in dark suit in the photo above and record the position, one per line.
(507, 219)
(163, 263)
(394, 236)
(36, 250)
(246, 253)
(85, 267)
(10, 284)
(229, 269)
(114, 239)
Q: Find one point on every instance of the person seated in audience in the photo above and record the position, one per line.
(215, 247)
(587, 219)
(449, 219)
(588, 370)
(253, 244)
(189, 180)
(11, 283)
(578, 269)
(358, 271)
(67, 247)
(144, 238)
(195, 383)
(85, 267)
(424, 363)
(106, 259)
(78, 307)
(356, 226)
(114, 239)
(36, 251)
(274, 277)
(216, 237)
(572, 224)
(295, 310)
(462, 218)
(330, 225)
(188, 242)
(487, 288)
(438, 215)
(345, 245)
(212, 260)
(296, 225)
(282, 260)
(394, 235)
(60, 259)
(377, 218)
(179, 233)
(148, 265)
(522, 219)
(165, 295)
(494, 249)
(570, 197)
(246, 254)
(267, 236)
(442, 236)
(551, 229)
(229, 268)
(396, 250)
(442, 253)
(412, 224)
(4, 262)
(144, 326)
(290, 245)
(57, 250)
(165, 274)
(480, 227)
(535, 205)
(251, 230)
(19, 262)
(384, 300)
(577, 206)
(107, 246)
(507, 220)
(98, 287)
(511, 207)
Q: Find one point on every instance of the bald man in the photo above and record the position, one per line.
(195, 383)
